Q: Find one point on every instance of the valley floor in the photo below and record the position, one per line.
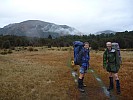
(44, 75)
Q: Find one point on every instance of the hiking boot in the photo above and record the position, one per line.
(81, 90)
(118, 87)
(111, 86)
(80, 85)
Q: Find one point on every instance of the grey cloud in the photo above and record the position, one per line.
(116, 15)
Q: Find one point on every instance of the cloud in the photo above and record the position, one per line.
(87, 16)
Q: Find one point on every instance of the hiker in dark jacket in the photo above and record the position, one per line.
(111, 63)
(84, 64)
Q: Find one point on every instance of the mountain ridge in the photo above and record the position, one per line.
(37, 28)
(106, 32)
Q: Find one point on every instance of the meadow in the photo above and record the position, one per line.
(43, 74)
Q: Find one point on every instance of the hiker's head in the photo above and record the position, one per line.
(109, 45)
(86, 45)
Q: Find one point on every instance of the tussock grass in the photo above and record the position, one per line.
(39, 75)
(43, 75)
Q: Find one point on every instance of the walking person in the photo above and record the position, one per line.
(111, 63)
(84, 64)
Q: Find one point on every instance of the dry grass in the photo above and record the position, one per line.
(43, 75)
(40, 75)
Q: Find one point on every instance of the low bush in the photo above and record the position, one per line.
(3, 52)
(30, 49)
(9, 51)
(35, 49)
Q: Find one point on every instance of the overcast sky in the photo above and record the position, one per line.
(88, 16)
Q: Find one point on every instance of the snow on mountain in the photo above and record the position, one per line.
(37, 28)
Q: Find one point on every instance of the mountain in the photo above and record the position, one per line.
(106, 32)
(37, 28)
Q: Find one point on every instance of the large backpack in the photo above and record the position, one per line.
(117, 47)
(78, 46)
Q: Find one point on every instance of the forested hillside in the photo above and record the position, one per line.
(125, 39)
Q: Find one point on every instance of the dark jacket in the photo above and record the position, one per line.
(111, 60)
(84, 57)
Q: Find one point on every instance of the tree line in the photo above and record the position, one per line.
(125, 40)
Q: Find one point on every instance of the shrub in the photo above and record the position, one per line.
(24, 48)
(49, 46)
(30, 49)
(12, 48)
(35, 49)
(6, 44)
(3, 52)
(64, 49)
(9, 51)
(17, 50)
(51, 49)
(58, 49)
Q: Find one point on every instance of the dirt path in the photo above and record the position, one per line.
(93, 91)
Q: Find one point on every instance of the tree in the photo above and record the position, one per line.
(50, 37)
(95, 45)
(1, 43)
(6, 44)
(18, 42)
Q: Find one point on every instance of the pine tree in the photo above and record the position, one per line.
(6, 44)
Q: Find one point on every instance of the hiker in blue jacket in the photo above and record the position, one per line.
(84, 64)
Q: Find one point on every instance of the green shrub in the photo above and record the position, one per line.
(30, 49)
(6, 44)
(3, 52)
(17, 50)
(35, 49)
(51, 49)
(12, 48)
(25, 48)
(9, 51)
(65, 49)
(58, 49)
